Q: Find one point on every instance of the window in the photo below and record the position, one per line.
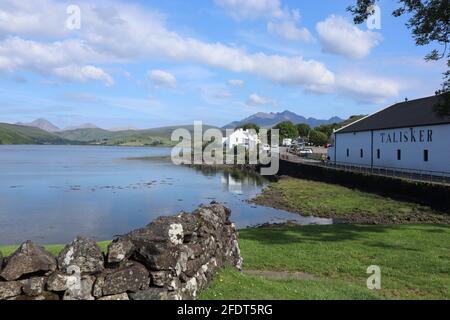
(425, 155)
(361, 153)
(378, 153)
(399, 154)
(348, 153)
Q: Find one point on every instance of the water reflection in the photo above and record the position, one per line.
(50, 194)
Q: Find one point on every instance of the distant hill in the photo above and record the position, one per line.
(27, 134)
(148, 137)
(18, 134)
(42, 124)
(269, 120)
(126, 128)
(81, 126)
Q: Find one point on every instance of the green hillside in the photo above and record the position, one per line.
(148, 137)
(18, 134)
(15, 134)
(86, 135)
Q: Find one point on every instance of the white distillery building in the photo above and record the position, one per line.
(241, 137)
(407, 136)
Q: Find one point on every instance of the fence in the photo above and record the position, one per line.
(404, 173)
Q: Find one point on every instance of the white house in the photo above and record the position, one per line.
(407, 136)
(241, 137)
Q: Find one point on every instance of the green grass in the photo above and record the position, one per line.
(54, 249)
(414, 262)
(233, 285)
(330, 200)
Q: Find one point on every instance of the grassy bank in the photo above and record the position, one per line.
(414, 262)
(352, 206)
(330, 262)
(54, 249)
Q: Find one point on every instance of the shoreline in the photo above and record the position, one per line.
(275, 196)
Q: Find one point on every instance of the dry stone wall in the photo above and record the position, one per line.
(173, 258)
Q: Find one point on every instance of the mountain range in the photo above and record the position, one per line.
(42, 131)
(269, 120)
(88, 135)
(46, 125)
(42, 124)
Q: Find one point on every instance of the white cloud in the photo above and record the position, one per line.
(214, 94)
(289, 31)
(94, 73)
(65, 59)
(162, 79)
(83, 74)
(32, 19)
(251, 9)
(257, 100)
(367, 88)
(121, 33)
(236, 83)
(339, 36)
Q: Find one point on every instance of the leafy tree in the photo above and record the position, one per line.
(328, 129)
(318, 138)
(250, 126)
(288, 130)
(303, 129)
(429, 21)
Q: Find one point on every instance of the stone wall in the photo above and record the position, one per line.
(172, 258)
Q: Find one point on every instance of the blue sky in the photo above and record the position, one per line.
(151, 63)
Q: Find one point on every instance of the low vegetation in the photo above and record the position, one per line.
(347, 205)
(414, 262)
(330, 262)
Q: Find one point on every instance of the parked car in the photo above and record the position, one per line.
(306, 152)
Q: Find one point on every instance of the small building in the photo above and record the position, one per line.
(407, 136)
(241, 137)
(287, 142)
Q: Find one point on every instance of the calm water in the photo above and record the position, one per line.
(50, 194)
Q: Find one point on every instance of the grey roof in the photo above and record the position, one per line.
(401, 115)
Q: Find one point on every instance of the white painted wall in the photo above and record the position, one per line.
(412, 153)
(241, 137)
(354, 142)
(389, 141)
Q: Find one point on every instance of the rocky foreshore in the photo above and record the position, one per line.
(173, 258)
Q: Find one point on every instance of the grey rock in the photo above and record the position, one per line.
(192, 266)
(83, 253)
(98, 286)
(122, 296)
(129, 279)
(80, 289)
(155, 294)
(29, 258)
(34, 286)
(10, 289)
(119, 250)
(157, 256)
(1, 261)
(177, 255)
(161, 278)
(58, 282)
